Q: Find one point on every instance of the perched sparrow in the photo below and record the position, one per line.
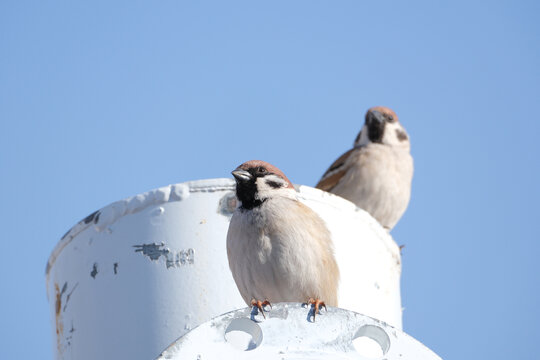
(278, 248)
(376, 173)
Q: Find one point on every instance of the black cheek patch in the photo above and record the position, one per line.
(273, 184)
(401, 135)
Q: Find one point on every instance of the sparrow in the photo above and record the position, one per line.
(279, 250)
(376, 174)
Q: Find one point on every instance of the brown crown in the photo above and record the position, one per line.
(269, 167)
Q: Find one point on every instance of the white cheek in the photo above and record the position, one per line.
(263, 189)
(364, 140)
(390, 136)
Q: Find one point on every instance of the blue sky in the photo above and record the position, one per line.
(101, 100)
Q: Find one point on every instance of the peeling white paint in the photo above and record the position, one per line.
(172, 258)
(109, 214)
(179, 192)
(94, 271)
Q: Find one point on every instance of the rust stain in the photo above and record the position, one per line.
(59, 322)
(58, 299)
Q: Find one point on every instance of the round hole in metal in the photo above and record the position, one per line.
(243, 334)
(371, 341)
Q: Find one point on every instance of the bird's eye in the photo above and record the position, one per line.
(390, 118)
(261, 170)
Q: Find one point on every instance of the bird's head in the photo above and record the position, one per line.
(256, 181)
(382, 126)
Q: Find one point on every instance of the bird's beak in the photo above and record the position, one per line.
(377, 116)
(242, 175)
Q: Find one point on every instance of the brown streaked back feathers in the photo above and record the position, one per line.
(334, 173)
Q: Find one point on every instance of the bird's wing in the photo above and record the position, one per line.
(335, 172)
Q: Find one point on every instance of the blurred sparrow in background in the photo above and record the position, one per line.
(376, 174)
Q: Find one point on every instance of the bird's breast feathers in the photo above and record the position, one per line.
(287, 249)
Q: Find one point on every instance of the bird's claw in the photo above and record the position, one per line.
(317, 304)
(260, 305)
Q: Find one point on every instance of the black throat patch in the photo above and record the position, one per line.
(376, 131)
(245, 192)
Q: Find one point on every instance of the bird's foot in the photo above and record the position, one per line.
(260, 305)
(317, 304)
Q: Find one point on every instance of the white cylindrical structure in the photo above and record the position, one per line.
(129, 279)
